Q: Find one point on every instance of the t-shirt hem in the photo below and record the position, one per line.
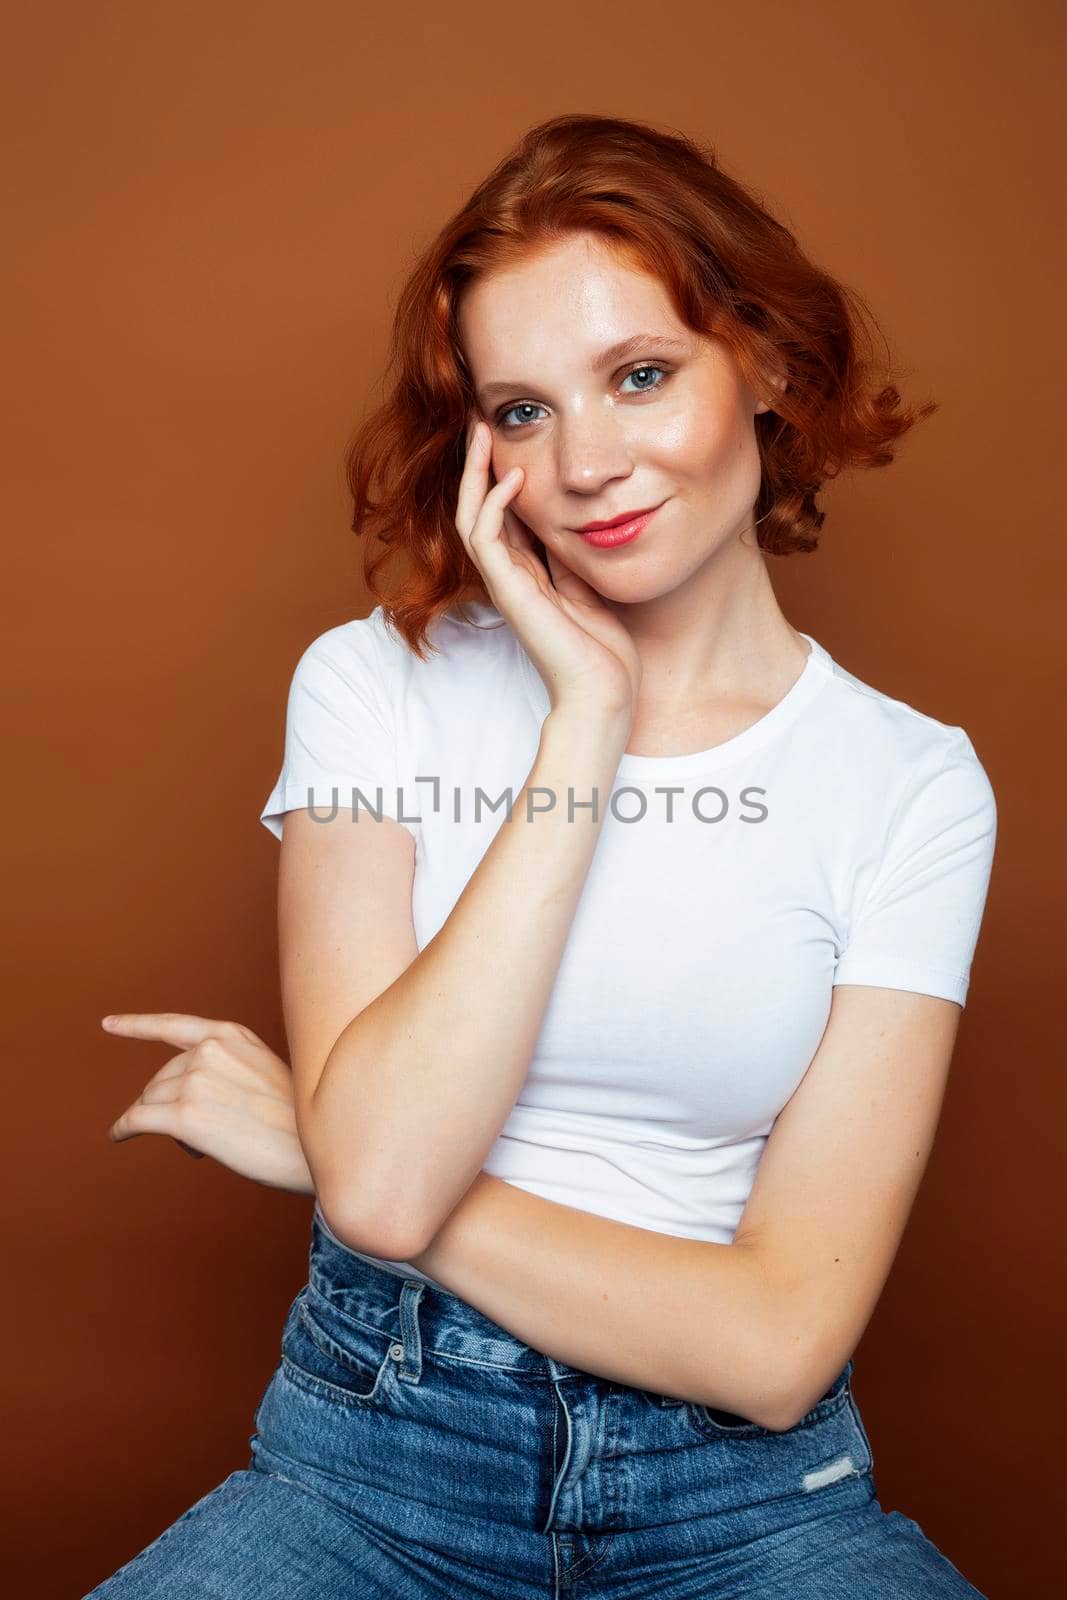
(328, 791)
(883, 973)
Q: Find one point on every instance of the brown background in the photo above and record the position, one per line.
(213, 207)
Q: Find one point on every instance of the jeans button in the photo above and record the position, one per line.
(396, 1351)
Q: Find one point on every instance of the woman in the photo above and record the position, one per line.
(622, 983)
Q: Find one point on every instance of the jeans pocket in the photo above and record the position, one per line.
(713, 1423)
(327, 1353)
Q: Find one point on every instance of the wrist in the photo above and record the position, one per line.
(583, 740)
(297, 1177)
(590, 722)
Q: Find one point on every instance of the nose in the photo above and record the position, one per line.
(590, 451)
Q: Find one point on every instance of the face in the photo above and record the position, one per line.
(667, 423)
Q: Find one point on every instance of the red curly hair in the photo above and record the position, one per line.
(663, 202)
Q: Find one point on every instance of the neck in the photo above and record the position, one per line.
(720, 636)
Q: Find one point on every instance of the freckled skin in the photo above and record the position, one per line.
(697, 596)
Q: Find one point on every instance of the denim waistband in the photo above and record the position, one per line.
(426, 1318)
(387, 1302)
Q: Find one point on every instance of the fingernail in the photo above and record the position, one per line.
(109, 1022)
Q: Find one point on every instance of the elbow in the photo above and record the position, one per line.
(784, 1415)
(383, 1232)
(790, 1350)
(802, 1388)
(773, 1407)
(379, 1224)
(776, 1407)
(762, 1395)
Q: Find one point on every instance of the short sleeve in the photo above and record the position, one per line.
(917, 927)
(339, 733)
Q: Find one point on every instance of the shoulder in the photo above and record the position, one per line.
(365, 667)
(897, 747)
(374, 642)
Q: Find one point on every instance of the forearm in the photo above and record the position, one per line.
(694, 1319)
(417, 1087)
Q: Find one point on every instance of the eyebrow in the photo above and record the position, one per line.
(616, 352)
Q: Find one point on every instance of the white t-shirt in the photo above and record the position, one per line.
(845, 837)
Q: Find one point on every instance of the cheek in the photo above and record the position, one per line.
(528, 510)
(699, 441)
(501, 460)
(682, 442)
(536, 495)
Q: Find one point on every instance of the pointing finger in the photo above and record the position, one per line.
(172, 1027)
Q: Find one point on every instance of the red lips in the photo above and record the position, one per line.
(613, 522)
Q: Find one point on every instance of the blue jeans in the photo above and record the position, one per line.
(407, 1446)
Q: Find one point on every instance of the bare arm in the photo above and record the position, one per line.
(418, 1085)
(788, 1299)
(763, 1325)
(406, 1063)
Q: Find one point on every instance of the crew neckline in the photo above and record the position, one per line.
(813, 677)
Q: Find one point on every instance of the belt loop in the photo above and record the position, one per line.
(408, 1353)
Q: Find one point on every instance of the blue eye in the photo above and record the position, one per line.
(648, 367)
(524, 405)
(531, 405)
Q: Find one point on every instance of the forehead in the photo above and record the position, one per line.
(574, 297)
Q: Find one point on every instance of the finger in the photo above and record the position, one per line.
(144, 1117)
(474, 490)
(167, 1101)
(489, 552)
(173, 1027)
(175, 1068)
(130, 1132)
(161, 1091)
(569, 584)
(517, 535)
(472, 484)
(489, 522)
